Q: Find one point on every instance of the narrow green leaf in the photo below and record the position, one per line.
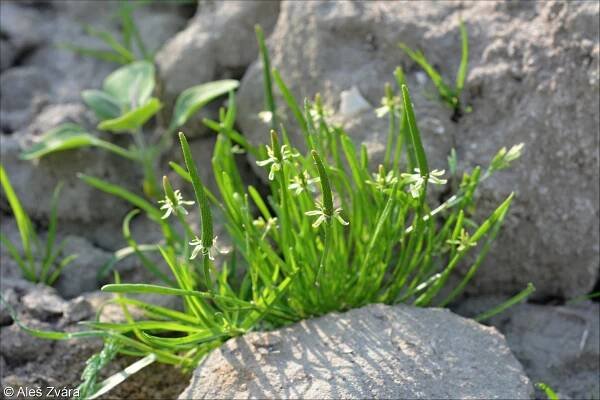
(290, 100)
(464, 59)
(146, 262)
(122, 253)
(26, 231)
(325, 186)
(206, 215)
(120, 377)
(130, 29)
(104, 55)
(508, 303)
(61, 266)
(111, 42)
(266, 64)
(191, 100)
(551, 394)
(145, 325)
(51, 236)
(445, 92)
(118, 191)
(414, 133)
(168, 291)
(14, 253)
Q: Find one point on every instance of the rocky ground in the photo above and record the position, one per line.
(533, 77)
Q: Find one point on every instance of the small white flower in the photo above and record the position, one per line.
(503, 158)
(382, 181)
(463, 242)
(319, 114)
(260, 223)
(302, 182)
(174, 208)
(274, 161)
(266, 116)
(322, 216)
(416, 180)
(514, 152)
(237, 149)
(206, 251)
(388, 105)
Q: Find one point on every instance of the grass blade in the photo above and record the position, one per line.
(28, 237)
(119, 377)
(206, 215)
(464, 60)
(268, 86)
(414, 133)
(550, 393)
(291, 101)
(508, 303)
(118, 191)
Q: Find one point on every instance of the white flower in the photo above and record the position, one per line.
(301, 182)
(503, 158)
(463, 242)
(274, 161)
(382, 181)
(205, 251)
(320, 113)
(260, 223)
(266, 116)
(174, 208)
(416, 180)
(387, 105)
(237, 149)
(322, 215)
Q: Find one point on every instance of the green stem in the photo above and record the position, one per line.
(147, 159)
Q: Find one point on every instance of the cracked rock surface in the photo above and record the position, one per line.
(376, 351)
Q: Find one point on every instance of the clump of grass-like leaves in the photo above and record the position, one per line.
(331, 233)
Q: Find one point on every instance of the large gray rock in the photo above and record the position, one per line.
(19, 32)
(23, 93)
(217, 43)
(374, 352)
(557, 345)
(533, 78)
(82, 275)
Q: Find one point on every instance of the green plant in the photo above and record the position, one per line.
(123, 106)
(130, 48)
(582, 298)
(330, 235)
(356, 239)
(550, 394)
(449, 95)
(39, 261)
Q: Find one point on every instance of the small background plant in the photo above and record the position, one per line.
(449, 94)
(127, 103)
(130, 48)
(38, 261)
